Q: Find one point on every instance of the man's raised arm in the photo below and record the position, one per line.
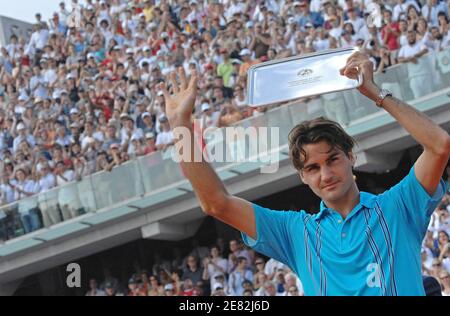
(211, 192)
(430, 166)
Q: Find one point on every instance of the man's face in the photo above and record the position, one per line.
(192, 262)
(435, 33)
(233, 246)
(411, 38)
(327, 171)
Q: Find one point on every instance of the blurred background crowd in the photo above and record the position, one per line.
(81, 96)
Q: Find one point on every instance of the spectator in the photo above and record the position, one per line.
(169, 290)
(214, 265)
(444, 278)
(192, 271)
(164, 139)
(270, 289)
(94, 290)
(134, 289)
(209, 117)
(189, 289)
(431, 10)
(238, 276)
(390, 32)
(155, 288)
(28, 209)
(418, 70)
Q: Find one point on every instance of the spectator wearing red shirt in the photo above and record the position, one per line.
(390, 32)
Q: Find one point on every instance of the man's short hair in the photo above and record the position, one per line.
(315, 131)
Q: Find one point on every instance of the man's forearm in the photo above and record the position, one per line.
(427, 133)
(207, 185)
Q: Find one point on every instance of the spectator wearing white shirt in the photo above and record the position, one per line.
(22, 135)
(236, 6)
(444, 279)
(214, 265)
(209, 117)
(354, 19)
(270, 289)
(401, 8)
(431, 10)
(164, 139)
(48, 202)
(24, 188)
(238, 276)
(271, 268)
(68, 198)
(39, 37)
(418, 68)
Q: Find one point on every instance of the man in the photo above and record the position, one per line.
(306, 16)
(359, 243)
(238, 276)
(431, 10)
(225, 69)
(25, 187)
(209, 117)
(164, 139)
(94, 290)
(22, 134)
(418, 69)
(192, 272)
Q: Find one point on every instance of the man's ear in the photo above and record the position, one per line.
(300, 173)
(352, 158)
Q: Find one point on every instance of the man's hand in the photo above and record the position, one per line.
(180, 105)
(360, 63)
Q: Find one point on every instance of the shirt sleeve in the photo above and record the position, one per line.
(276, 232)
(410, 200)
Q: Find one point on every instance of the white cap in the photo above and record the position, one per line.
(145, 114)
(168, 287)
(291, 20)
(249, 24)
(56, 95)
(163, 118)
(160, 93)
(20, 126)
(74, 111)
(70, 76)
(135, 136)
(22, 97)
(99, 136)
(146, 49)
(296, 3)
(90, 55)
(164, 34)
(245, 52)
(205, 106)
(129, 51)
(217, 286)
(89, 7)
(193, 2)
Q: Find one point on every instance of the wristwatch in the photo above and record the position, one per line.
(384, 93)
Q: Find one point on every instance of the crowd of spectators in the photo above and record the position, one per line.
(216, 271)
(239, 271)
(81, 95)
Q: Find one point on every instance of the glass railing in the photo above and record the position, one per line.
(148, 174)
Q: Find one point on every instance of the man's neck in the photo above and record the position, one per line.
(347, 203)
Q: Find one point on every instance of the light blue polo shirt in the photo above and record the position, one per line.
(374, 251)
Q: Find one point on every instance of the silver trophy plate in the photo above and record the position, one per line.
(300, 76)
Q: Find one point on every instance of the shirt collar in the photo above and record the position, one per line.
(365, 199)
